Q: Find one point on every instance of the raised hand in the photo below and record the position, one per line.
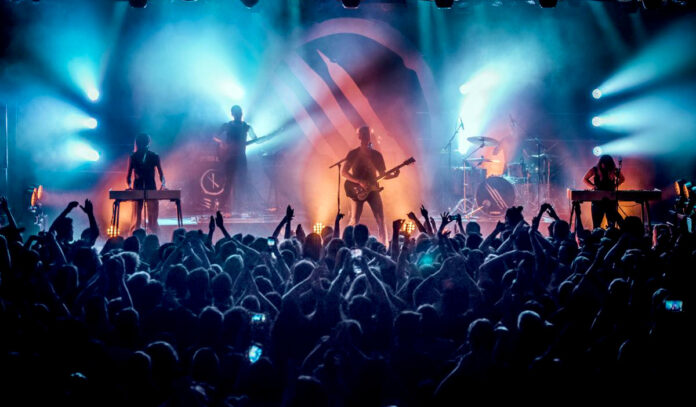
(499, 227)
(396, 225)
(340, 216)
(218, 220)
(424, 212)
(72, 205)
(299, 232)
(289, 213)
(412, 216)
(211, 224)
(445, 216)
(88, 208)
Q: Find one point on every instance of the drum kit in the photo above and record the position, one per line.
(525, 182)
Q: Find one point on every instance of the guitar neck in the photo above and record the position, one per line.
(393, 169)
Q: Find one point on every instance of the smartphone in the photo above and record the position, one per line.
(271, 242)
(674, 305)
(356, 253)
(254, 353)
(258, 318)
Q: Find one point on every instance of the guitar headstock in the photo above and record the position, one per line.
(409, 161)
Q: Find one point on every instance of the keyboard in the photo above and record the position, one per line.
(139, 194)
(620, 195)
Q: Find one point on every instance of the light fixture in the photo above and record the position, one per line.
(548, 3)
(444, 3)
(350, 3)
(597, 151)
(596, 93)
(318, 227)
(597, 121)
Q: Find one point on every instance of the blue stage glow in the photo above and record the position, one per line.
(670, 53)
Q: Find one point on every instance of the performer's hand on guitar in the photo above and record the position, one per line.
(392, 174)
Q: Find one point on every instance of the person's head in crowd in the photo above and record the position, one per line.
(360, 235)
(473, 240)
(64, 229)
(513, 216)
(472, 228)
(177, 280)
(178, 235)
(131, 244)
(233, 266)
(348, 236)
(140, 234)
(326, 234)
(312, 247)
(301, 271)
(481, 336)
(131, 261)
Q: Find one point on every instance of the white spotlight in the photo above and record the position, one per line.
(597, 151)
(596, 93)
(91, 123)
(93, 94)
(597, 121)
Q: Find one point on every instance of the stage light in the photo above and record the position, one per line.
(444, 3)
(93, 94)
(138, 3)
(597, 121)
(250, 3)
(596, 93)
(79, 151)
(651, 4)
(597, 151)
(317, 228)
(548, 3)
(350, 3)
(91, 123)
(408, 227)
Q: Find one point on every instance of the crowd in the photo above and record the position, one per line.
(340, 319)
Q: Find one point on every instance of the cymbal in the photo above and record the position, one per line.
(482, 160)
(486, 141)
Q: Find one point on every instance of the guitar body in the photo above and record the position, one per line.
(357, 193)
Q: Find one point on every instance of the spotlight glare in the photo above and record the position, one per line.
(596, 93)
(597, 121)
(597, 151)
(93, 94)
(91, 123)
(79, 151)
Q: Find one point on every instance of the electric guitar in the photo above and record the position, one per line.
(357, 193)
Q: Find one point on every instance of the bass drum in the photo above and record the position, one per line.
(495, 195)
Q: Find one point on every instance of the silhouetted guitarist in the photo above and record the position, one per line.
(363, 165)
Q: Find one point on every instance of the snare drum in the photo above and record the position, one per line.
(495, 195)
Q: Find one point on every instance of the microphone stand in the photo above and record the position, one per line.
(338, 190)
(448, 147)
